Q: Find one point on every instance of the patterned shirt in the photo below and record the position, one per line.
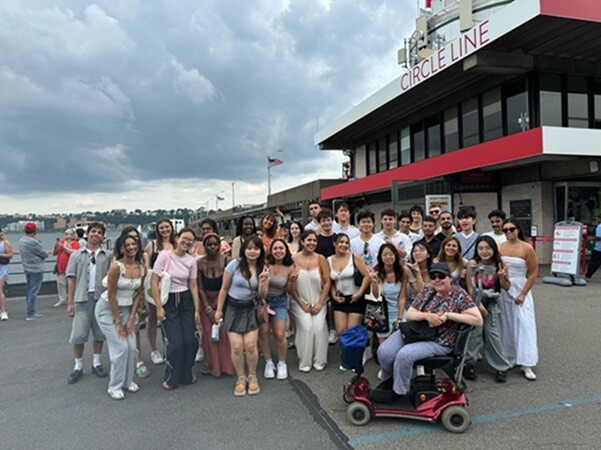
(457, 301)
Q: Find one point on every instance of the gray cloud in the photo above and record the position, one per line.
(100, 95)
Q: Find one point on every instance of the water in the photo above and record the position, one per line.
(48, 239)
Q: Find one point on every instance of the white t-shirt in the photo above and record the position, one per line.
(368, 252)
(499, 238)
(400, 240)
(92, 270)
(350, 230)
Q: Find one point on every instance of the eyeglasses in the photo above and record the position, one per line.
(93, 258)
(509, 230)
(437, 276)
(366, 248)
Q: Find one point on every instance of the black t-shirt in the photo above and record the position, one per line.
(434, 244)
(325, 245)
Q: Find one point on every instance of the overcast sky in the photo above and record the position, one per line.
(163, 104)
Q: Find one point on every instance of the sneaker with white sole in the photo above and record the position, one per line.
(60, 303)
(36, 316)
(528, 373)
(200, 355)
(332, 337)
(269, 372)
(116, 394)
(282, 371)
(133, 387)
(156, 358)
(3, 315)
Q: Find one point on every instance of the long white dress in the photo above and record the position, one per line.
(311, 330)
(518, 323)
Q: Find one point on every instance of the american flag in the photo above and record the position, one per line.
(272, 162)
(219, 197)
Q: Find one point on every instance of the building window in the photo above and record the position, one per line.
(492, 119)
(393, 151)
(550, 100)
(433, 130)
(418, 140)
(577, 102)
(382, 159)
(470, 123)
(371, 158)
(517, 114)
(451, 130)
(405, 146)
(597, 102)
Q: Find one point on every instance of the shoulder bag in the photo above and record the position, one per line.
(260, 312)
(357, 277)
(417, 331)
(164, 285)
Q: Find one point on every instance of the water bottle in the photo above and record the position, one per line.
(215, 331)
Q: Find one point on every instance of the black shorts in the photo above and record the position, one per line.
(347, 307)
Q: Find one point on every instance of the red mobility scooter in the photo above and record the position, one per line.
(430, 399)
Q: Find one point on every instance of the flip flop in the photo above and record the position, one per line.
(166, 386)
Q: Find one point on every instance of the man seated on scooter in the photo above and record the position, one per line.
(444, 305)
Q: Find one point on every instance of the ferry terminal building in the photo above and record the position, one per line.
(505, 115)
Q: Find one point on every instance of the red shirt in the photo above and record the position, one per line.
(62, 257)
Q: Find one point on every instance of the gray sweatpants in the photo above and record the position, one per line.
(397, 359)
(122, 352)
(489, 335)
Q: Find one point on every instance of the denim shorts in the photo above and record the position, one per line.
(84, 320)
(279, 304)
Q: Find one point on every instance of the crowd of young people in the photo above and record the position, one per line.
(298, 281)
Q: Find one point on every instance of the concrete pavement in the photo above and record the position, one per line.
(38, 408)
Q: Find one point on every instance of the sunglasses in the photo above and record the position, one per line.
(437, 276)
(366, 248)
(509, 230)
(435, 211)
(93, 258)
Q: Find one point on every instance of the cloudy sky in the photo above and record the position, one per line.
(163, 104)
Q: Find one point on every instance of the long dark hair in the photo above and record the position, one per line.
(512, 221)
(287, 261)
(159, 239)
(240, 225)
(300, 227)
(120, 244)
(269, 232)
(397, 268)
(243, 262)
(304, 236)
(496, 256)
(427, 249)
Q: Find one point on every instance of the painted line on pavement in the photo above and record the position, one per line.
(481, 419)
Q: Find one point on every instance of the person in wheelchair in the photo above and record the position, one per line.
(444, 306)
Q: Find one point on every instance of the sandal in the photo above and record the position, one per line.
(240, 388)
(166, 386)
(204, 370)
(194, 379)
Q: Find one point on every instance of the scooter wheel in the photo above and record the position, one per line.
(358, 413)
(456, 419)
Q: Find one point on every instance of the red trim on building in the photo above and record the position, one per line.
(581, 10)
(509, 148)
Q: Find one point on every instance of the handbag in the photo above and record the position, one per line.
(357, 277)
(376, 316)
(164, 285)
(4, 260)
(417, 331)
(260, 311)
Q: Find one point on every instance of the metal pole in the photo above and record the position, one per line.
(268, 180)
(233, 196)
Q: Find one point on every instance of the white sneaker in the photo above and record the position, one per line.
(60, 303)
(289, 334)
(117, 394)
(200, 355)
(269, 372)
(528, 373)
(282, 370)
(332, 337)
(156, 358)
(133, 387)
(3, 315)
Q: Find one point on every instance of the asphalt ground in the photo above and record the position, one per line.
(561, 409)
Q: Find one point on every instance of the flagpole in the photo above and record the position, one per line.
(268, 181)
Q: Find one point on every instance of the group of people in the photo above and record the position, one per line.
(312, 282)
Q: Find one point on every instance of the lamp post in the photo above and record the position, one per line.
(233, 196)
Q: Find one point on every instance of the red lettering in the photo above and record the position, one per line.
(415, 72)
(405, 81)
(483, 31)
(454, 57)
(427, 62)
(441, 59)
(471, 40)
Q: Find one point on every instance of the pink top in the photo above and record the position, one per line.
(181, 269)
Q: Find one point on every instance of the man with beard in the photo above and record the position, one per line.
(431, 240)
(446, 225)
